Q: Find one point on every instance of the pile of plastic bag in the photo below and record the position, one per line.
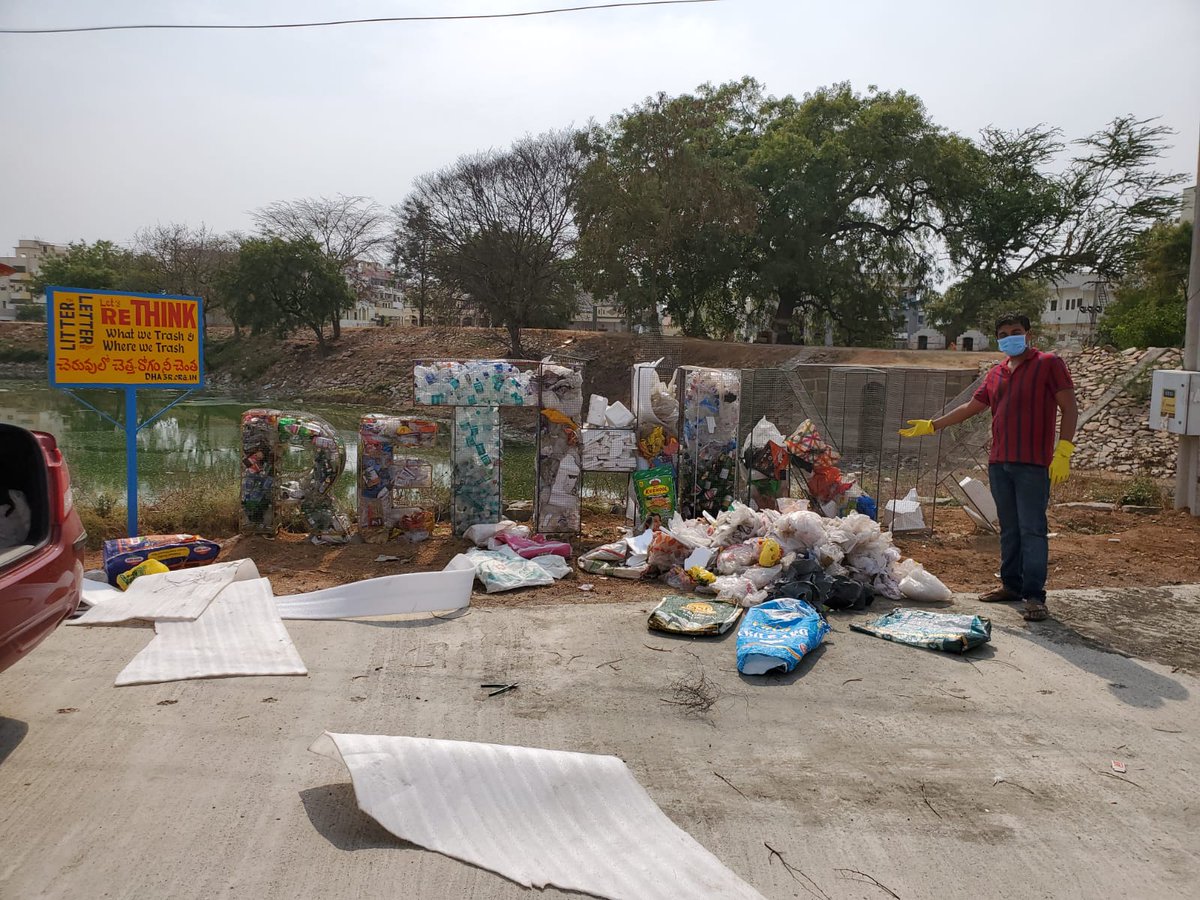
(508, 557)
(749, 556)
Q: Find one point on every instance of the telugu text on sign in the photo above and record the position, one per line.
(116, 339)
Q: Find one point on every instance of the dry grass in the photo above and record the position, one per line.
(1138, 490)
(210, 511)
(695, 694)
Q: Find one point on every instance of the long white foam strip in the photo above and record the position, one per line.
(239, 634)
(179, 596)
(577, 821)
(387, 596)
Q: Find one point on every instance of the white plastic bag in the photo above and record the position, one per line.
(15, 520)
(738, 523)
(693, 532)
(801, 530)
(554, 564)
(480, 535)
(762, 433)
(761, 577)
(738, 558)
(499, 571)
(924, 587)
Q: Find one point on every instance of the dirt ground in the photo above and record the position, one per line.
(1089, 549)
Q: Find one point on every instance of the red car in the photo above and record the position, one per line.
(41, 567)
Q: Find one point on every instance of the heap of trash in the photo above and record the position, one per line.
(748, 557)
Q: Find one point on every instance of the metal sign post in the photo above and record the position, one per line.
(125, 341)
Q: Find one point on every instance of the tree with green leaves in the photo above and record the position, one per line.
(852, 189)
(1022, 216)
(1150, 309)
(412, 254)
(501, 231)
(279, 285)
(347, 228)
(666, 216)
(99, 266)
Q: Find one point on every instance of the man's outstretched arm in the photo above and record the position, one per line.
(923, 427)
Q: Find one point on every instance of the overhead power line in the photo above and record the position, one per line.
(373, 21)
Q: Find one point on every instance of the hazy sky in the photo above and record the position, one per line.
(104, 133)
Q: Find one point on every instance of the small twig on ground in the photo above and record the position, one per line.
(610, 663)
(730, 783)
(866, 879)
(1003, 663)
(418, 665)
(1167, 730)
(1002, 780)
(658, 649)
(697, 695)
(792, 870)
(573, 658)
(971, 663)
(927, 803)
(955, 696)
(848, 680)
(1119, 778)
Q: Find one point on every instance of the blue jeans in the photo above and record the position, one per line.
(1022, 493)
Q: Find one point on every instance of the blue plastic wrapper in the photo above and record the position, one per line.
(776, 636)
(951, 632)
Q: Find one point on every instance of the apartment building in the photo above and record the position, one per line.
(16, 287)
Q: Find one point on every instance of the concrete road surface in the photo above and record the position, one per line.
(874, 758)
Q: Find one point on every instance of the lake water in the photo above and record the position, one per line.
(201, 438)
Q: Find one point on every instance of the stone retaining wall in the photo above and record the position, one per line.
(1119, 439)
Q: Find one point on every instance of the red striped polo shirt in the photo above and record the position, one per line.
(1024, 412)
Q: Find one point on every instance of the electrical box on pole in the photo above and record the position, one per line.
(1175, 402)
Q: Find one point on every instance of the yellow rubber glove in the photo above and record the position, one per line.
(1060, 466)
(920, 428)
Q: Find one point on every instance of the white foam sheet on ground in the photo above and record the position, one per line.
(96, 591)
(577, 821)
(387, 596)
(179, 596)
(239, 634)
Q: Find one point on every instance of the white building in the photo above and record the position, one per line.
(380, 298)
(1073, 308)
(16, 289)
(1187, 212)
(972, 341)
(595, 315)
(927, 339)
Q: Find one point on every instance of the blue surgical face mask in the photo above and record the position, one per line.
(1013, 345)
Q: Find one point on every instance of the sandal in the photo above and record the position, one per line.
(1034, 612)
(1000, 595)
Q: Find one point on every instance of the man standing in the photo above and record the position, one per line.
(1024, 394)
